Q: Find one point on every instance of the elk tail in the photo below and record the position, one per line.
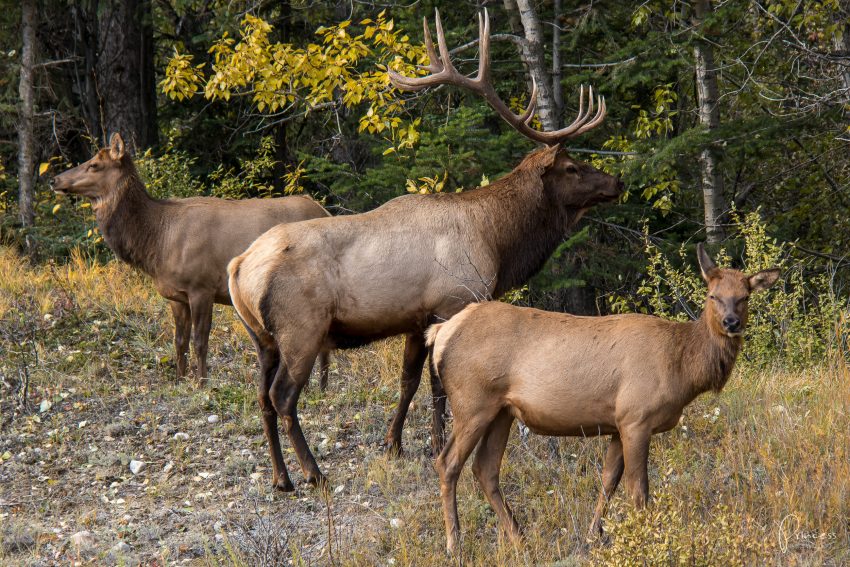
(431, 334)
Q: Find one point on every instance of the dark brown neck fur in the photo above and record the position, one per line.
(707, 357)
(520, 221)
(129, 221)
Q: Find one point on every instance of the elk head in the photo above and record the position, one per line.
(97, 177)
(578, 185)
(573, 184)
(729, 291)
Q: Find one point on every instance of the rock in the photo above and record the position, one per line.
(44, 406)
(181, 436)
(136, 466)
(168, 466)
(212, 419)
(120, 548)
(83, 541)
(117, 429)
(397, 523)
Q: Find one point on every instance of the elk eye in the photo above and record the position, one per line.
(712, 296)
(570, 168)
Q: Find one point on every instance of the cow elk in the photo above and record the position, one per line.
(183, 244)
(628, 376)
(418, 259)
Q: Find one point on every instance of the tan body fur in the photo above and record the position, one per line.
(628, 376)
(345, 281)
(183, 244)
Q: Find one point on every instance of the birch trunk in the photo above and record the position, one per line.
(709, 116)
(557, 91)
(535, 59)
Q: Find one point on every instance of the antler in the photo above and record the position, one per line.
(444, 73)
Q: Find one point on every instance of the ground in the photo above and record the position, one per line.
(106, 458)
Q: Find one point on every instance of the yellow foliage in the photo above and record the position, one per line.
(341, 68)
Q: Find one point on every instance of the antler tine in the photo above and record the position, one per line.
(600, 115)
(434, 64)
(484, 48)
(526, 116)
(445, 59)
(582, 115)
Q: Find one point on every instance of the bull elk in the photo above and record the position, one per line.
(628, 376)
(417, 259)
(183, 244)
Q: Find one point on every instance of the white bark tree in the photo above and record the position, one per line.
(709, 116)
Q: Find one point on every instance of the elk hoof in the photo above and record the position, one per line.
(393, 448)
(284, 485)
(318, 480)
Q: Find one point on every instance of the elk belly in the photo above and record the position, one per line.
(558, 405)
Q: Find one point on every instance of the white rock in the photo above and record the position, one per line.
(44, 406)
(83, 541)
(136, 466)
(181, 436)
(168, 466)
(255, 476)
(212, 419)
(339, 489)
(397, 523)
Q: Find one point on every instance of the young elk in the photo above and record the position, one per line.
(347, 281)
(628, 376)
(183, 244)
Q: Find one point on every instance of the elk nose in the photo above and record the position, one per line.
(731, 323)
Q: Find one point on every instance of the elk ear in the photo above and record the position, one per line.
(116, 146)
(547, 157)
(763, 279)
(706, 264)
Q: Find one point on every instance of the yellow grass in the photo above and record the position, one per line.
(759, 475)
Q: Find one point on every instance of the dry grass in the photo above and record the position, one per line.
(757, 475)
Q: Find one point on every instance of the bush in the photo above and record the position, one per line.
(798, 322)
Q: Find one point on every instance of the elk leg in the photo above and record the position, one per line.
(269, 357)
(488, 462)
(411, 374)
(182, 330)
(612, 471)
(466, 434)
(201, 307)
(324, 369)
(438, 419)
(293, 373)
(635, 456)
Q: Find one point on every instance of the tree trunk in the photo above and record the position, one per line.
(709, 116)
(124, 72)
(533, 57)
(25, 117)
(557, 90)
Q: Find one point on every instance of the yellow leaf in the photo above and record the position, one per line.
(56, 207)
(43, 168)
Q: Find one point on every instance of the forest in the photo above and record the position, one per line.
(727, 123)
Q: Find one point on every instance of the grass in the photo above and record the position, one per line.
(757, 475)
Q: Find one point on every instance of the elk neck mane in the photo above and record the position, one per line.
(707, 356)
(128, 221)
(518, 219)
